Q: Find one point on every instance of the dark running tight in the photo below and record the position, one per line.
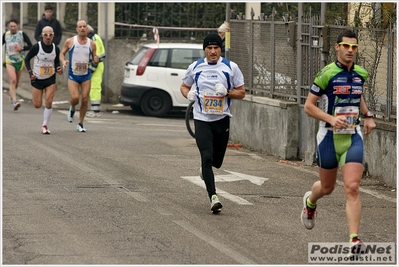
(212, 139)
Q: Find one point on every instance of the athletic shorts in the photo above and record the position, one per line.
(42, 84)
(79, 78)
(335, 150)
(18, 66)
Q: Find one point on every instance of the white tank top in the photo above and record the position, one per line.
(79, 56)
(43, 63)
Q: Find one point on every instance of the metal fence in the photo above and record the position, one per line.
(194, 15)
(267, 53)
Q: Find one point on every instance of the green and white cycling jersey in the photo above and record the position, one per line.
(340, 91)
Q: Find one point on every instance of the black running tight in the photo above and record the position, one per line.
(212, 139)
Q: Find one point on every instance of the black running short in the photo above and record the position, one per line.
(42, 84)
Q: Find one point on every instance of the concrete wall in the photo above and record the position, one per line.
(119, 52)
(267, 125)
(381, 153)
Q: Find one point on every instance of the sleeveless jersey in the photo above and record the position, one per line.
(12, 40)
(79, 56)
(208, 106)
(43, 63)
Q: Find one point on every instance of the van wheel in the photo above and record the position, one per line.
(156, 103)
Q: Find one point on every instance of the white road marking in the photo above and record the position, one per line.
(241, 259)
(253, 179)
(232, 177)
(60, 102)
(198, 181)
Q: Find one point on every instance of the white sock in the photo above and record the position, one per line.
(46, 115)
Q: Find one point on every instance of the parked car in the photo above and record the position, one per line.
(154, 75)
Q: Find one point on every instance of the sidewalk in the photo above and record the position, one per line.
(61, 97)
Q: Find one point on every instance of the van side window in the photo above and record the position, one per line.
(182, 58)
(159, 58)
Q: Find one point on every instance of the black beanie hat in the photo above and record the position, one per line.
(213, 39)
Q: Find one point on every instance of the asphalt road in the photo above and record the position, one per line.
(128, 192)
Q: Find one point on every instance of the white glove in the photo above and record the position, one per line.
(192, 94)
(220, 89)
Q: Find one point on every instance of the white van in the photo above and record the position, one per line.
(154, 75)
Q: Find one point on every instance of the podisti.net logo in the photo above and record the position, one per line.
(347, 253)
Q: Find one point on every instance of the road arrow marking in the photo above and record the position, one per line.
(198, 181)
(232, 177)
(253, 179)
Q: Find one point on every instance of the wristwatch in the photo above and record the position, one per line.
(368, 115)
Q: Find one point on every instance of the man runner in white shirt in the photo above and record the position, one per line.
(217, 81)
(46, 63)
(80, 47)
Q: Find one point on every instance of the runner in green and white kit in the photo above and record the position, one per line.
(16, 43)
(339, 86)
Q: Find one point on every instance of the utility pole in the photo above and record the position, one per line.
(227, 37)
